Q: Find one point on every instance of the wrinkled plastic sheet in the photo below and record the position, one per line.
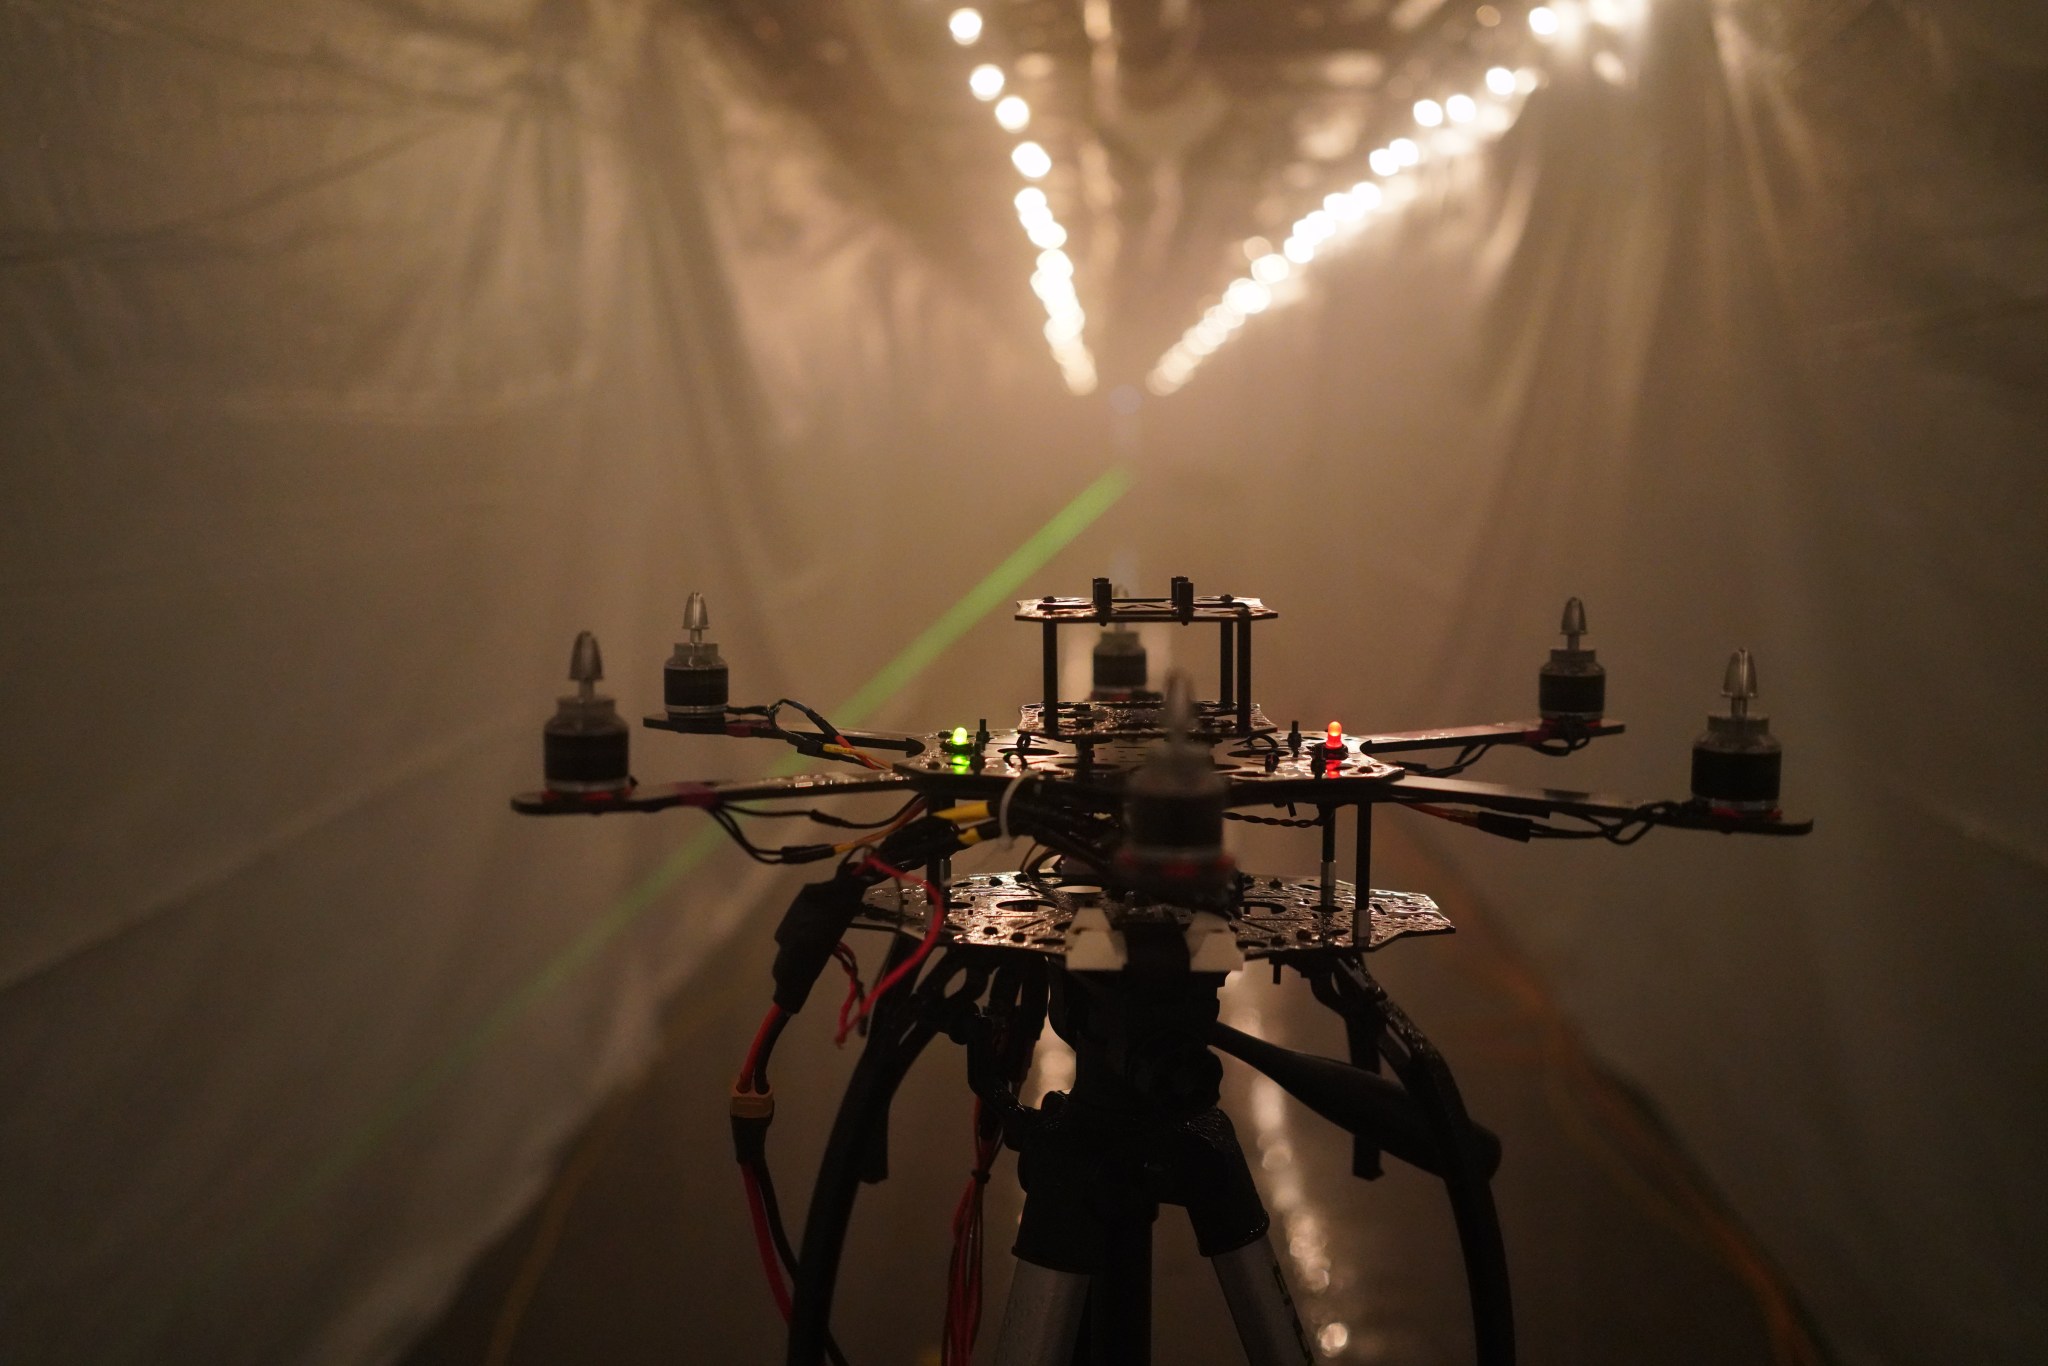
(354, 360)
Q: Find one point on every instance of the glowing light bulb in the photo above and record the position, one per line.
(1299, 250)
(1405, 151)
(1461, 108)
(1030, 199)
(1428, 113)
(1270, 269)
(959, 735)
(1367, 195)
(986, 81)
(1032, 162)
(1056, 263)
(965, 25)
(1047, 234)
(1012, 113)
(1543, 22)
(1383, 161)
(1247, 296)
(1333, 735)
(1500, 80)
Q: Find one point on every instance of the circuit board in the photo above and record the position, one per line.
(1274, 918)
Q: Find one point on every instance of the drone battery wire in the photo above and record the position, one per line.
(934, 931)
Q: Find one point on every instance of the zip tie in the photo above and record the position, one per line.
(1003, 807)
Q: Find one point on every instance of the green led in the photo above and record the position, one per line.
(959, 735)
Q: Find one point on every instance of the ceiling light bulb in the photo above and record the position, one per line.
(1247, 296)
(986, 81)
(1500, 80)
(1428, 113)
(1032, 162)
(1461, 108)
(965, 25)
(1012, 113)
(1405, 151)
(1543, 22)
(1270, 269)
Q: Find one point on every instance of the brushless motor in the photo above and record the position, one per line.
(695, 684)
(1120, 666)
(1737, 763)
(584, 748)
(1173, 804)
(1573, 685)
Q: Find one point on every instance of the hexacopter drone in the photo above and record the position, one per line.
(1119, 928)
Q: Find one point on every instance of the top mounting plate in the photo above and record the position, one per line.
(1083, 611)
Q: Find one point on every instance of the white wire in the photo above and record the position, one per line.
(1003, 807)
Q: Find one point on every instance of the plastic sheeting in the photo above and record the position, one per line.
(354, 359)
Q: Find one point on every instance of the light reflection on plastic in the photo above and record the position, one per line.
(1459, 122)
(1053, 280)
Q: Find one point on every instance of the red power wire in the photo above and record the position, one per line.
(771, 1026)
(963, 1279)
(854, 994)
(910, 965)
(765, 1242)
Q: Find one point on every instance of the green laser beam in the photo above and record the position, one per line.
(366, 1138)
(990, 593)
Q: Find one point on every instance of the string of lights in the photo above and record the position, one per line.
(1445, 128)
(1052, 280)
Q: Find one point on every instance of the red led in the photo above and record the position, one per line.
(1336, 736)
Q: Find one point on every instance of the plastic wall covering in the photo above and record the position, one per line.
(353, 359)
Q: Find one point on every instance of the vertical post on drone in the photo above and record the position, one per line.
(1361, 876)
(1363, 1026)
(1326, 816)
(1244, 671)
(1226, 689)
(1050, 722)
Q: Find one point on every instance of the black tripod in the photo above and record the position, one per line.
(1140, 1128)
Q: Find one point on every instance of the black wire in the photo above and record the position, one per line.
(821, 817)
(1467, 757)
(1269, 820)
